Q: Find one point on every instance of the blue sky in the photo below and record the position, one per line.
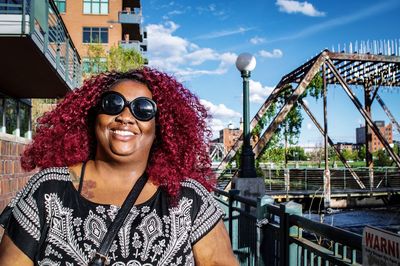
(198, 42)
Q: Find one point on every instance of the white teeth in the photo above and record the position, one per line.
(123, 132)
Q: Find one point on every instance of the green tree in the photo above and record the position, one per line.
(361, 153)
(289, 130)
(381, 158)
(118, 59)
(122, 59)
(296, 153)
(96, 60)
(349, 154)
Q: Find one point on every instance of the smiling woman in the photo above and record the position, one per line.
(125, 179)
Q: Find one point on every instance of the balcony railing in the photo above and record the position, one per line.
(41, 21)
(130, 16)
(131, 44)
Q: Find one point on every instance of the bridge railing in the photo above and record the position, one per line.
(341, 179)
(266, 234)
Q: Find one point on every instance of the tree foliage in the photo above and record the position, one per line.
(96, 59)
(118, 59)
(122, 59)
(290, 128)
(381, 158)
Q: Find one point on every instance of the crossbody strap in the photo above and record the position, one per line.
(101, 256)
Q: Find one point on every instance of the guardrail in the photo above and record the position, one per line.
(341, 178)
(41, 21)
(265, 234)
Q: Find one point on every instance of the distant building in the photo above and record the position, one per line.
(341, 146)
(386, 131)
(228, 136)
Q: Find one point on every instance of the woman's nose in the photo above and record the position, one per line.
(125, 117)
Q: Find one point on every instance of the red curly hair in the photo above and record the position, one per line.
(65, 136)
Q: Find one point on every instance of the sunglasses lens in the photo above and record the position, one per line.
(143, 109)
(112, 104)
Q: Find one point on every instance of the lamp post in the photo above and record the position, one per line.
(245, 63)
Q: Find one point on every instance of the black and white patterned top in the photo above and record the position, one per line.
(154, 233)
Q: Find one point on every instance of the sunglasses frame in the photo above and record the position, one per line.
(127, 104)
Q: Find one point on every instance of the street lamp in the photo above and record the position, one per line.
(245, 63)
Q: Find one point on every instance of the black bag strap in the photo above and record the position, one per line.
(101, 256)
(81, 178)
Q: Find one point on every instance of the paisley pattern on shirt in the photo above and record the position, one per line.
(153, 233)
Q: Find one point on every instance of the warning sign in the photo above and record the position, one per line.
(380, 247)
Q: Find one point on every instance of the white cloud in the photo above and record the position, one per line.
(380, 7)
(309, 126)
(221, 116)
(223, 33)
(175, 54)
(290, 6)
(276, 53)
(258, 92)
(257, 40)
(213, 10)
(220, 110)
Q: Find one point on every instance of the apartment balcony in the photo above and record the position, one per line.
(132, 44)
(131, 4)
(130, 16)
(39, 59)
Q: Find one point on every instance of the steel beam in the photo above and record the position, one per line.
(357, 103)
(327, 174)
(364, 57)
(301, 87)
(271, 98)
(332, 144)
(388, 113)
(368, 135)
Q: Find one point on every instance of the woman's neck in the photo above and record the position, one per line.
(118, 172)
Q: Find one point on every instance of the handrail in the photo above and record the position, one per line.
(239, 198)
(339, 235)
(278, 227)
(50, 35)
(55, 9)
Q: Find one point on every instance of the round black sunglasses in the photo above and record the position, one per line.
(113, 103)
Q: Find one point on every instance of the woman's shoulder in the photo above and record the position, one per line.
(195, 190)
(47, 177)
(193, 186)
(50, 174)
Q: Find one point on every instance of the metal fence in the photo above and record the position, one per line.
(266, 234)
(341, 178)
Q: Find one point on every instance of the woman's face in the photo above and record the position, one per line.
(122, 137)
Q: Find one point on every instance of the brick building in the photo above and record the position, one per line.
(39, 60)
(228, 136)
(346, 146)
(386, 131)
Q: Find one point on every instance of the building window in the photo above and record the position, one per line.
(95, 35)
(60, 5)
(10, 122)
(95, 7)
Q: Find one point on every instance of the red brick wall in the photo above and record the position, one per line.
(12, 177)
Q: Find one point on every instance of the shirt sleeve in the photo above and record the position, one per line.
(23, 218)
(207, 212)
